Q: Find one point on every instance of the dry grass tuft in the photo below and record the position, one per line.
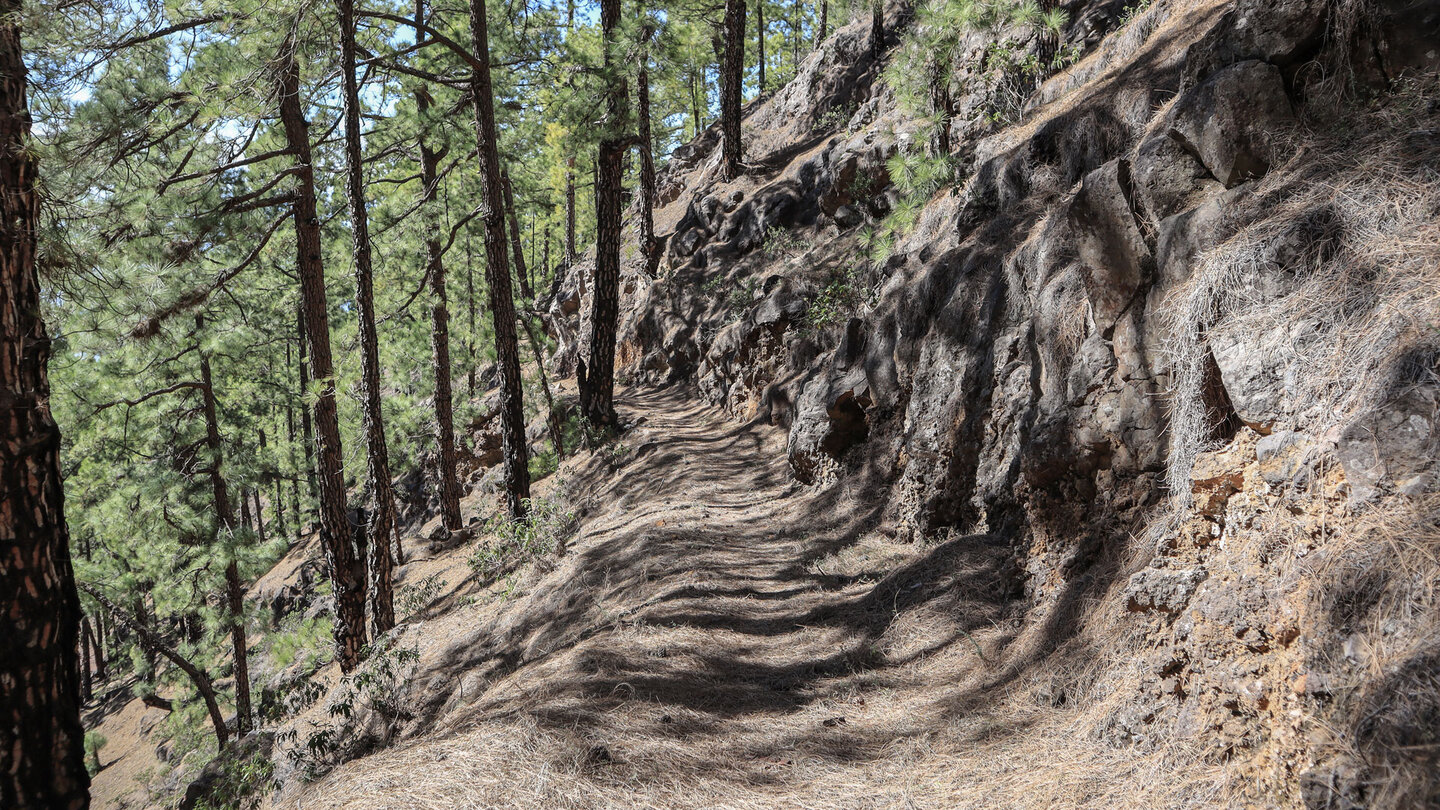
(1352, 231)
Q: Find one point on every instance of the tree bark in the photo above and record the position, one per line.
(515, 247)
(334, 527)
(307, 430)
(87, 688)
(225, 521)
(877, 29)
(570, 211)
(97, 638)
(439, 323)
(597, 387)
(497, 272)
(760, 45)
(41, 741)
(197, 676)
(820, 28)
(648, 245)
(382, 524)
(730, 78)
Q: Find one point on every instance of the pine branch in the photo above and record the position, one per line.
(159, 392)
(151, 325)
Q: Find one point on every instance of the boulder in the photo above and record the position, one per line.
(1108, 242)
(1169, 179)
(1394, 446)
(1232, 122)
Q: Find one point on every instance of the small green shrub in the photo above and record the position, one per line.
(513, 542)
(415, 597)
(94, 741)
(242, 784)
(838, 301)
(782, 242)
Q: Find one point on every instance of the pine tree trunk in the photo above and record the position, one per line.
(280, 524)
(877, 29)
(340, 555)
(307, 430)
(648, 245)
(87, 687)
(796, 31)
(41, 752)
(760, 45)
(694, 108)
(515, 247)
(821, 29)
(597, 387)
(497, 273)
(470, 306)
(733, 69)
(382, 525)
(98, 640)
(570, 211)
(225, 521)
(41, 758)
(439, 324)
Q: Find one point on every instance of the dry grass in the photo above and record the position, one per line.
(1354, 228)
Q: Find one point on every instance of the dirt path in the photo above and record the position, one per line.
(716, 637)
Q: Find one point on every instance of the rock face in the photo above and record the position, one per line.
(1100, 334)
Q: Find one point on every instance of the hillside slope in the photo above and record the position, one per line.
(1102, 475)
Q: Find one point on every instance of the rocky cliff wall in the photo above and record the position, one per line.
(1173, 331)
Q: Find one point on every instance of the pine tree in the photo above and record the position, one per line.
(497, 270)
(382, 525)
(344, 566)
(439, 314)
(730, 81)
(649, 247)
(597, 387)
(41, 741)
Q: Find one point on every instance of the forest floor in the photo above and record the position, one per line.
(719, 636)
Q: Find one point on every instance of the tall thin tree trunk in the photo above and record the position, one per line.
(382, 525)
(41, 753)
(648, 245)
(795, 34)
(439, 322)
(349, 628)
(307, 430)
(877, 29)
(225, 522)
(470, 342)
(821, 27)
(87, 688)
(98, 640)
(730, 79)
(694, 108)
(280, 525)
(760, 45)
(570, 211)
(597, 388)
(515, 246)
(259, 516)
(497, 272)
(89, 642)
